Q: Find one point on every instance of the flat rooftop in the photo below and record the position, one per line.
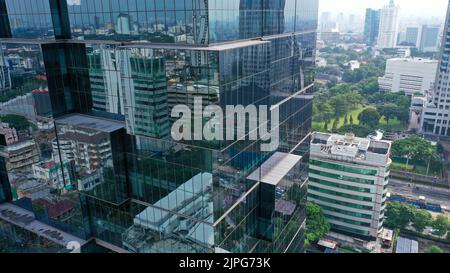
(275, 168)
(349, 145)
(90, 122)
(413, 60)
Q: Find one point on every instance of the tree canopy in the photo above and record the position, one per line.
(16, 121)
(373, 68)
(415, 148)
(317, 225)
(421, 219)
(441, 225)
(370, 117)
(336, 101)
(399, 215)
(370, 86)
(434, 250)
(397, 98)
(358, 130)
(391, 111)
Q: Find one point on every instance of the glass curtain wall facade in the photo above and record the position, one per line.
(436, 118)
(372, 26)
(113, 71)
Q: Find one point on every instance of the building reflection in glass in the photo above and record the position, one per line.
(39, 180)
(85, 123)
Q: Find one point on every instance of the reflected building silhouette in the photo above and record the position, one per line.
(5, 78)
(105, 78)
(145, 93)
(123, 26)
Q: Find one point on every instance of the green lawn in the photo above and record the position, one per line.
(318, 126)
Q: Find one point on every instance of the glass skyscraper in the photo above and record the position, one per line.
(435, 121)
(372, 26)
(93, 85)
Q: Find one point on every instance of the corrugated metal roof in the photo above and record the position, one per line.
(405, 245)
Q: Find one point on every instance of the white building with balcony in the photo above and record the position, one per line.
(53, 173)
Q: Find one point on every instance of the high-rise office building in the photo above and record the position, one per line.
(325, 17)
(327, 24)
(387, 37)
(429, 39)
(123, 26)
(42, 103)
(113, 81)
(435, 119)
(372, 26)
(5, 78)
(401, 36)
(104, 74)
(348, 178)
(411, 36)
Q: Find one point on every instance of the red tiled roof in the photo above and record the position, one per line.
(41, 77)
(55, 209)
(40, 91)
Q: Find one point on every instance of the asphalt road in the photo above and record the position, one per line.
(432, 194)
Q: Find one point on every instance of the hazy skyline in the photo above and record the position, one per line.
(418, 8)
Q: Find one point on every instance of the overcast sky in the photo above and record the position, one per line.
(419, 8)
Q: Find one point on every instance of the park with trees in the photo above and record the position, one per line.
(417, 155)
(347, 108)
(401, 216)
(355, 105)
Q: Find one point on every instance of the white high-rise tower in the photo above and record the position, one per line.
(387, 36)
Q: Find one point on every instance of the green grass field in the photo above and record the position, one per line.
(318, 126)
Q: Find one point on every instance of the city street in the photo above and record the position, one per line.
(432, 194)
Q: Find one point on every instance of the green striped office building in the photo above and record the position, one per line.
(348, 178)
